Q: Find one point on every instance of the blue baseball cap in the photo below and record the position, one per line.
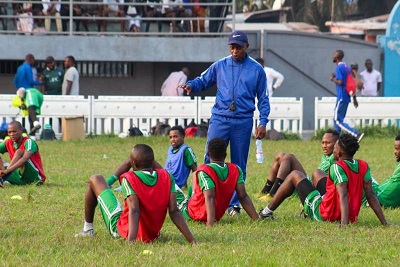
(238, 37)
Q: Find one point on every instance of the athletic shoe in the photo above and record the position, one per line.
(234, 211)
(269, 215)
(89, 232)
(265, 198)
(359, 137)
(35, 129)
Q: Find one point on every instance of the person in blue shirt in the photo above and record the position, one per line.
(342, 97)
(180, 157)
(239, 80)
(24, 76)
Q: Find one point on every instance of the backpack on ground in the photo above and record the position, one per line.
(134, 131)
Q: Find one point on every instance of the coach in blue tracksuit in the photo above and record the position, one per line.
(342, 97)
(239, 79)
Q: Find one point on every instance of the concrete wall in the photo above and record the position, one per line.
(304, 59)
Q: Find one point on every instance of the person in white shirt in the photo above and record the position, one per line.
(52, 9)
(274, 78)
(170, 85)
(372, 80)
(70, 84)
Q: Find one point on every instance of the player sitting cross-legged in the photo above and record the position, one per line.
(148, 194)
(347, 179)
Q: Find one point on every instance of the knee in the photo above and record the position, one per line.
(289, 156)
(295, 176)
(279, 156)
(95, 179)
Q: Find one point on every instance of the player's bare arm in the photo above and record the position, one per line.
(344, 203)
(134, 211)
(246, 202)
(373, 202)
(194, 167)
(18, 162)
(209, 197)
(177, 218)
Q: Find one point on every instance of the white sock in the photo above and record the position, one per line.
(267, 210)
(87, 226)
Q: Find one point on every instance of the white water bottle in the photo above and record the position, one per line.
(259, 151)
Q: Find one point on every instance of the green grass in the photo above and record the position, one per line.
(39, 229)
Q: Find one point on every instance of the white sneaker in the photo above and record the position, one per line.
(89, 232)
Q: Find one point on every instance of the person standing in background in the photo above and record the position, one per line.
(372, 80)
(70, 84)
(170, 85)
(52, 78)
(274, 78)
(342, 97)
(24, 76)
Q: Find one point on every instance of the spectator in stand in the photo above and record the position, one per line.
(274, 78)
(199, 14)
(24, 23)
(133, 13)
(52, 8)
(24, 76)
(37, 10)
(113, 7)
(70, 84)
(90, 10)
(76, 12)
(187, 24)
(372, 80)
(153, 10)
(3, 11)
(171, 87)
(53, 77)
(176, 11)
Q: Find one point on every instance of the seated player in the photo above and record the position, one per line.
(26, 163)
(328, 141)
(347, 179)
(213, 187)
(285, 163)
(388, 192)
(180, 158)
(148, 194)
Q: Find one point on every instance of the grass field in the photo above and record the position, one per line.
(39, 229)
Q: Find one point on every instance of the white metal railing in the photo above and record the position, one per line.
(13, 17)
(371, 111)
(116, 114)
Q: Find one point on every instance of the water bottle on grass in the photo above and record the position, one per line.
(259, 151)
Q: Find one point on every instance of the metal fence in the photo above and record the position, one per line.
(22, 17)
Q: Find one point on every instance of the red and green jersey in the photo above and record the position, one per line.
(354, 173)
(212, 176)
(153, 191)
(29, 145)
